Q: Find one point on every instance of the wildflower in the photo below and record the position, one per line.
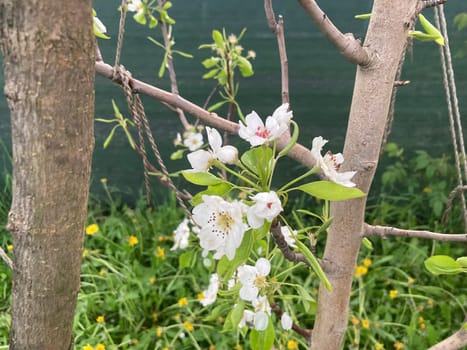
(182, 302)
(201, 160)
(253, 278)
(100, 319)
(379, 346)
(430, 302)
(85, 253)
(193, 140)
(289, 236)
(262, 312)
(233, 39)
(286, 321)
(160, 253)
(92, 229)
(251, 54)
(100, 346)
(331, 163)
(292, 345)
(159, 332)
(9, 247)
(102, 272)
(393, 293)
(88, 347)
(181, 235)
(221, 225)
(188, 326)
(132, 241)
(155, 316)
(367, 262)
(427, 190)
(258, 133)
(360, 270)
(152, 280)
(410, 280)
(267, 206)
(208, 296)
(212, 347)
(355, 321)
(398, 346)
(104, 180)
(366, 323)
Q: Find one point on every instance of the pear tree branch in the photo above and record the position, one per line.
(454, 342)
(384, 231)
(348, 46)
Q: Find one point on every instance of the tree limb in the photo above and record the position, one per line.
(298, 152)
(384, 231)
(454, 342)
(6, 258)
(348, 46)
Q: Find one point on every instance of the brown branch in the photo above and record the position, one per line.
(298, 152)
(6, 259)
(432, 3)
(456, 341)
(171, 69)
(278, 29)
(384, 231)
(306, 333)
(348, 46)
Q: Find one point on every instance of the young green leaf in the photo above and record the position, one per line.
(263, 340)
(314, 264)
(443, 265)
(330, 191)
(202, 178)
(218, 39)
(246, 69)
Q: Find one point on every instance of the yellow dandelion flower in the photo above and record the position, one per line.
(155, 316)
(360, 271)
(379, 346)
(201, 296)
(165, 348)
(422, 326)
(102, 272)
(100, 346)
(355, 321)
(410, 280)
(430, 302)
(366, 323)
(238, 347)
(100, 319)
(159, 332)
(162, 238)
(92, 229)
(398, 345)
(135, 341)
(9, 247)
(152, 280)
(88, 347)
(427, 190)
(420, 307)
(85, 253)
(367, 262)
(393, 293)
(188, 326)
(177, 317)
(421, 319)
(132, 241)
(292, 345)
(160, 253)
(212, 347)
(182, 302)
(104, 180)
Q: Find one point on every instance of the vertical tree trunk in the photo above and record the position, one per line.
(48, 49)
(386, 39)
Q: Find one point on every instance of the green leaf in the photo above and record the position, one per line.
(442, 265)
(111, 135)
(166, 18)
(314, 264)
(214, 190)
(202, 178)
(431, 29)
(218, 38)
(185, 260)
(292, 142)
(140, 17)
(462, 261)
(263, 340)
(210, 62)
(211, 74)
(237, 313)
(330, 191)
(363, 16)
(226, 267)
(258, 160)
(246, 69)
(217, 105)
(367, 243)
(177, 154)
(461, 20)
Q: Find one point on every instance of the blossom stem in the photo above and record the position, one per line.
(241, 177)
(312, 171)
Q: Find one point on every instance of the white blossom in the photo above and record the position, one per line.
(257, 133)
(193, 140)
(289, 236)
(136, 6)
(201, 160)
(181, 235)
(331, 163)
(247, 318)
(209, 295)
(286, 321)
(267, 206)
(221, 226)
(262, 312)
(253, 279)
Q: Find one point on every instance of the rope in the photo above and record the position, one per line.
(454, 113)
(121, 32)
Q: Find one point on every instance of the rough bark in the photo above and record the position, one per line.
(48, 49)
(386, 39)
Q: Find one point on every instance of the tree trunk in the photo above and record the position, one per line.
(49, 85)
(386, 39)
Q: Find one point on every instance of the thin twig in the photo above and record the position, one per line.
(298, 152)
(432, 3)
(6, 258)
(348, 46)
(384, 231)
